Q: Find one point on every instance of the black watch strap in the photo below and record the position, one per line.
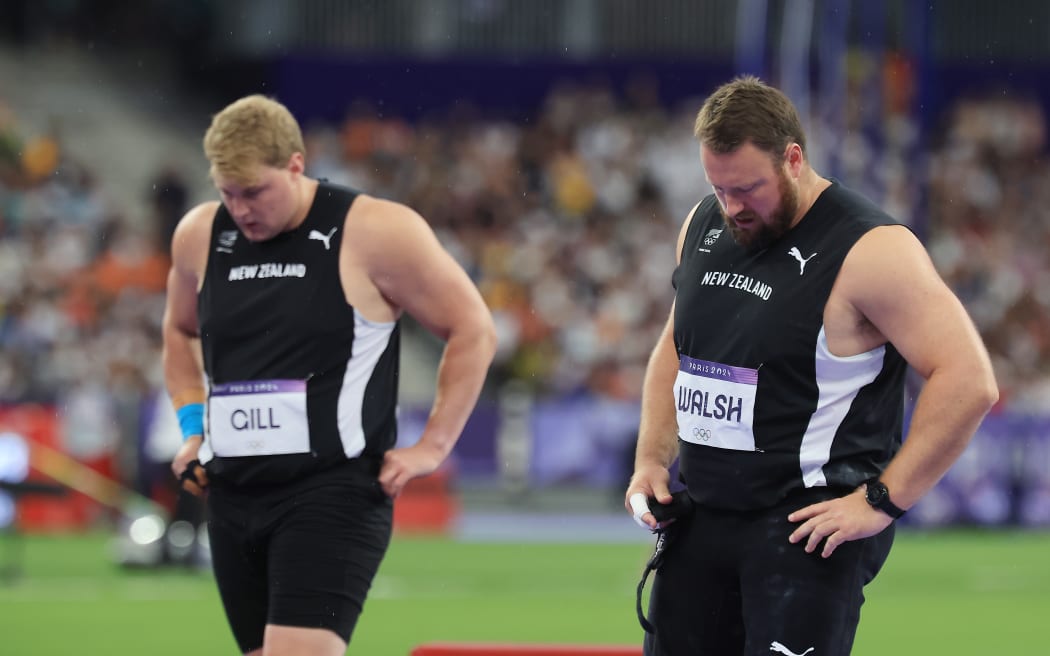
(878, 496)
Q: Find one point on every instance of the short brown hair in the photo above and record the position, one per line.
(251, 131)
(748, 110)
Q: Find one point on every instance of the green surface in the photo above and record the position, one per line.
(940, 593)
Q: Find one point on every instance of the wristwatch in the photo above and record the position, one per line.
(878, 497)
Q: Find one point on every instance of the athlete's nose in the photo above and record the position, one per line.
(733, 207)
(237, 208)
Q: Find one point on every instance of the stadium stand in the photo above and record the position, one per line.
(562, 213)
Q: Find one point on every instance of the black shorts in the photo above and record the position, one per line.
(731, 584)
(303, 555)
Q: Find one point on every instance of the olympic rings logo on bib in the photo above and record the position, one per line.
(701, 434)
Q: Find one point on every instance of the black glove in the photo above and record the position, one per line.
(681, 504)
(194, 479)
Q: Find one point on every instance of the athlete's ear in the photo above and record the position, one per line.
(794, 158)
(296, 163)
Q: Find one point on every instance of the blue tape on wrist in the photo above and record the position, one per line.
(191, 420)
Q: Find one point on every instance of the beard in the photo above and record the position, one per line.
(767, 229)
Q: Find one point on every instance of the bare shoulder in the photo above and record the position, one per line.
(684, 231)
(889, 282)
(887, 257)
(375, 226)
(189, 244)
(388, 247)
(371, 213)
(196, 223)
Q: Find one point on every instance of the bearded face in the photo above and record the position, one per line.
(756, 232)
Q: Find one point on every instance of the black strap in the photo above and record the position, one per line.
(190, 473)
(670, 517)
(662, 536)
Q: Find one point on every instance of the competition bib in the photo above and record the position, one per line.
(258, 418)
(716, 404)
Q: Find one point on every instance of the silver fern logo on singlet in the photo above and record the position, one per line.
(709, 239)
(226, 241)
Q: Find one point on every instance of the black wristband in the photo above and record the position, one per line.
(878, 496)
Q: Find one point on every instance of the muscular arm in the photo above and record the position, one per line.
(181, 357)
(658, 429)
(890, 285)
(181, 354)
(411, 269)
(907, 302)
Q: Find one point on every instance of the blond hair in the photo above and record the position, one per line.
(748, 110)
(248, 132)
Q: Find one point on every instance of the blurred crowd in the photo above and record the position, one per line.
(567, 222)
(989, 211)
(81, 296)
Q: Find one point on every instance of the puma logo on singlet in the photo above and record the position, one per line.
(794, 252)
(776, 646)
(314, 234)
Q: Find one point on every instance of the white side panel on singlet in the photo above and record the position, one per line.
(370, 342)
(839, 379)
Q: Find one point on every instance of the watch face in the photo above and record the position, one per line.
(876, 493)
(878, 496)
